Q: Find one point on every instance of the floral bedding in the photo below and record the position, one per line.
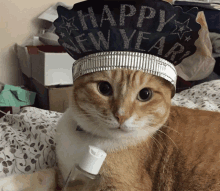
(27, 138)
(27, 141)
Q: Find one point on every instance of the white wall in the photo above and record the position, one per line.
(18, 23)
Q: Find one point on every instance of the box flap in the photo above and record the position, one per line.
(24, 60)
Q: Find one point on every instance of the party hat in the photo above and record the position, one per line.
(151, 36)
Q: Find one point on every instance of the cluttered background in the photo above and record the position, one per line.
(36, 71)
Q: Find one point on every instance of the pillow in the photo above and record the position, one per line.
(204, 96)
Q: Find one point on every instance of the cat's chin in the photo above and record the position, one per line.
(111, 133)
(123, 133)
(121, 129)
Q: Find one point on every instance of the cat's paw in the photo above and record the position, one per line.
(7, 184)
(43, 180)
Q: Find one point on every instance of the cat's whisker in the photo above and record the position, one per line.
(86, 115)
(91, 122)
(160, 136)
(101, 118)
(90, 109)
(81, 114)
(148, 145)
(167, 127)
(155, 142)
(164, 134)
(168, 137)
(95, 131)
(93, 110)
(158, 142)
(171, 129)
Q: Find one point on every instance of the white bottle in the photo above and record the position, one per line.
(84, 176)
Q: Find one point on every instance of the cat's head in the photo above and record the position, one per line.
(121, 103)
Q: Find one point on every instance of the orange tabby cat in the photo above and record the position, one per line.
(157, 147)
(151, 145)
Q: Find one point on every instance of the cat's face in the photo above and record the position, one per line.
(121, 103)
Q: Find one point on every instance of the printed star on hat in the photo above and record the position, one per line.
(181, 28)
(62, 34)
(68, 24)
(187, 38)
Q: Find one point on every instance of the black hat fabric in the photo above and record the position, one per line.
(148, 35)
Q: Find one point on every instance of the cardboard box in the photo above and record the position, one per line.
(54, 98)
(49, 65)
(24, 59)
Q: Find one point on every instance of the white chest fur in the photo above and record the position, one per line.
(71, 144)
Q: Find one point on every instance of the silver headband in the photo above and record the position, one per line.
(125, 60)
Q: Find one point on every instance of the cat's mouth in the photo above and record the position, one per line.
(122, 128)
(78, 128)
(119, 128)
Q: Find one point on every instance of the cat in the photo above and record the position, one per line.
(150, 145)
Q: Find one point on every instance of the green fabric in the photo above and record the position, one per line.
(16, 97)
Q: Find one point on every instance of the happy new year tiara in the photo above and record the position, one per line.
(151, 36)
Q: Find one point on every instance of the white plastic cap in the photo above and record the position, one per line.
(93, 160)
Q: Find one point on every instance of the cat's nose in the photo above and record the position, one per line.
(120, 118)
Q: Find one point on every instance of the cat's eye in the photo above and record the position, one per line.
(105, 88)
(145, 94)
